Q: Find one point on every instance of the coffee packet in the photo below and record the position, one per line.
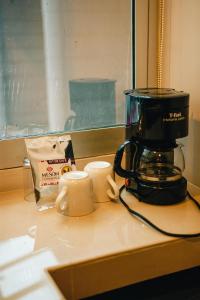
(50, 157)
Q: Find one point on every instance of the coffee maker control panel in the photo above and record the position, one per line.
(157, 114)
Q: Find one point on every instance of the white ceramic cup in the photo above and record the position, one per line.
(104, 186)
(75, 197)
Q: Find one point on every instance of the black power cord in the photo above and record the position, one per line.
(138, 215)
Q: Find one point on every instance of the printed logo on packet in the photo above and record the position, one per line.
(49, 169)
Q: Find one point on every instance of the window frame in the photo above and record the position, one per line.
(104, 141)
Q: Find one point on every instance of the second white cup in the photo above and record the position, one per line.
(102, 175)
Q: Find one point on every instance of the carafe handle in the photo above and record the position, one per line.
(118, 159)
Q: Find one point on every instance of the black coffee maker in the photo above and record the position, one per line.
(156, 117)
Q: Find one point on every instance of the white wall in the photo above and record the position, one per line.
(182, 70)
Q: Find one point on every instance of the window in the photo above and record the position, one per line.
(64, 66)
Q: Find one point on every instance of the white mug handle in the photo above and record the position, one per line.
(61, 203)
(113, 193)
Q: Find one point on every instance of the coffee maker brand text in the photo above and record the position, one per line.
(173, 117)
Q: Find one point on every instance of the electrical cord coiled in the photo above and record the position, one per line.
(140, 216)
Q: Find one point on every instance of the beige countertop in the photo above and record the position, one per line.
(106, 249)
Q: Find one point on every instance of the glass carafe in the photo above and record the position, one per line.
(161, 165)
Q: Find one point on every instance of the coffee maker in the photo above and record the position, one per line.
(156, 118)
